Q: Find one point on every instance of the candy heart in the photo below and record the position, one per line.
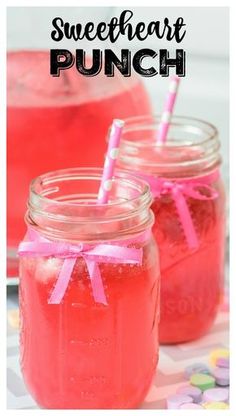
(219, 353)
(190, 406)
(202, 381)
(216, 395)
(222, 362)
(215, 405)
(221, 376)
(191, 391)
(196, 368)
(174, 401)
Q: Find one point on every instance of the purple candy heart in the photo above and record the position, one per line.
(173, 402)
(190, 406)
(191, 391)
(221, 375)
(196, 368)
(216, 395)
(222, 362)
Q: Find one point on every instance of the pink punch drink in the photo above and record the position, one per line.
(189, 209)
(92, 344)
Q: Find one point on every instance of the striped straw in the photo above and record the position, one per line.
(103, 194)
(110, 161)
(168, 109)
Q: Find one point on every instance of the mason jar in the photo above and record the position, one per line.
(189, 208)
(89, 292)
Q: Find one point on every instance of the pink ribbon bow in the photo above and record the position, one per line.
(181, 188)
(92, 255)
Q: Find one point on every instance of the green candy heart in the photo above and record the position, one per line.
(202, 381)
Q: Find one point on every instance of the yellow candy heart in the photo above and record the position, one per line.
(215, 405)
(220, 353)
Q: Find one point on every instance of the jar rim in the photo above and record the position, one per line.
(66, 220)
(120, 174)
(192, 146)
(156, 117)
(38, 199)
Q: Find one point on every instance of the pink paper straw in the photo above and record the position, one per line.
(106, 184)
(168, 109)
(110, 161)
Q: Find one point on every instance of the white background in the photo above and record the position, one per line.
(204, 92)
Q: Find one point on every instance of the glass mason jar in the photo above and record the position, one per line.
(189, 209)
(89, 292)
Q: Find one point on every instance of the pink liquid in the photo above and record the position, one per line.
(192, 281)
(56, 123)
(80, 354)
